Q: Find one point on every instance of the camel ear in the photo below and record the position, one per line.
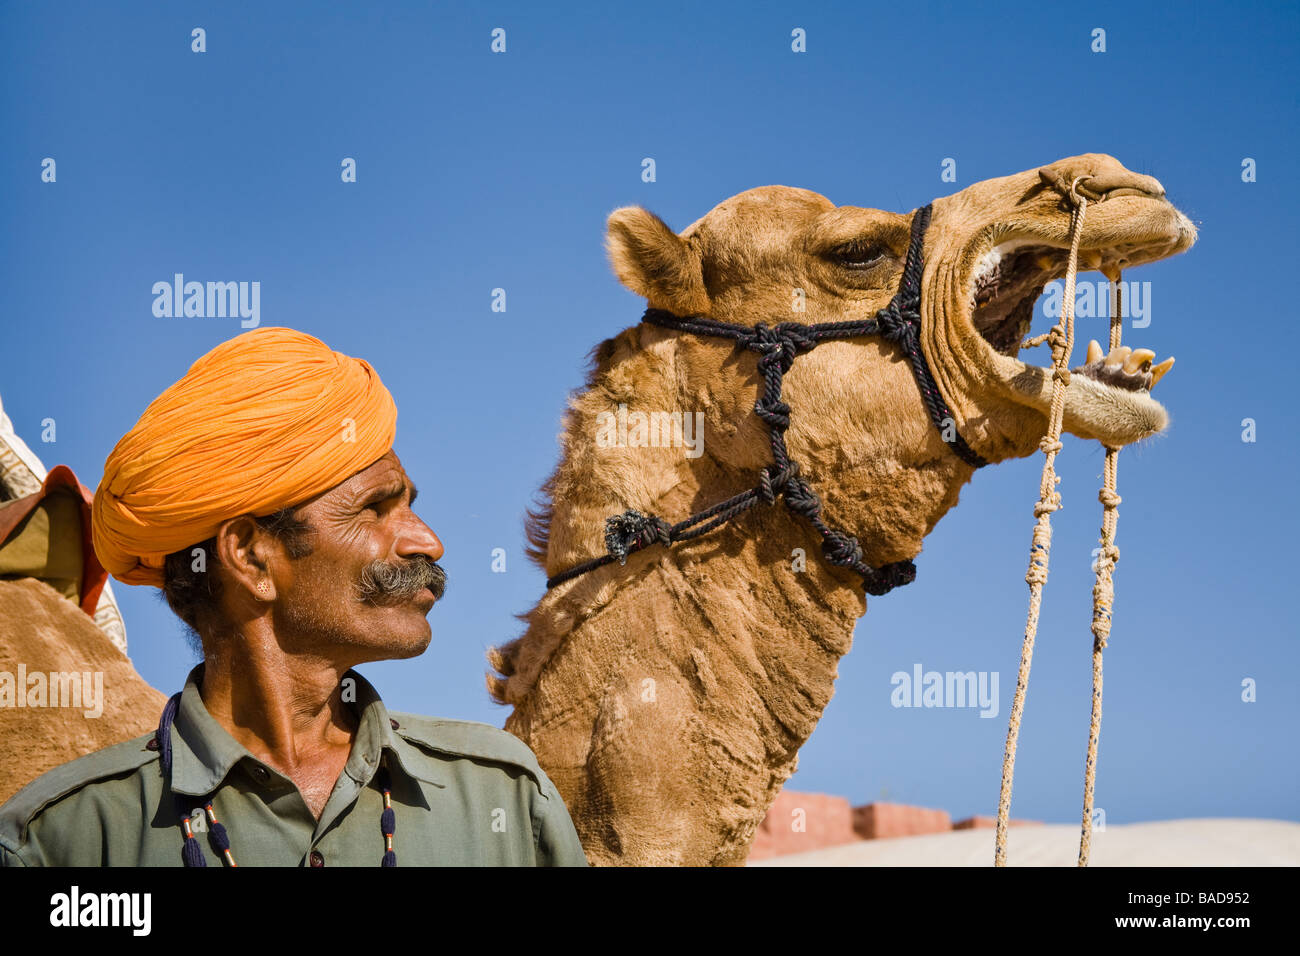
(653, 261)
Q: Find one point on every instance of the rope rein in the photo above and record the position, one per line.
(1061, 340)
(1103, 591)
(779, 346)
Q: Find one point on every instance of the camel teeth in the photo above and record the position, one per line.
(1118, 356)
(1139, 358)
(1158, 371)
(1094, 352)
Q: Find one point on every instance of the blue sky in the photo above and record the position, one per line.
(477, 171)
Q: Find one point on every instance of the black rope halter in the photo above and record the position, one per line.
(779, 345)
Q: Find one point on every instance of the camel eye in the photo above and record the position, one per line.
(859, 254)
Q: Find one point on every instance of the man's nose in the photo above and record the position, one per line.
(418, 538)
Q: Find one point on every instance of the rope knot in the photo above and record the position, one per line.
(762, 338)
(841, 549)
(774, 412)
(801, 499)
(773, 480)
(896, 324)
(796, 336)
(1109, 498)
(631, 531)
(889, 576)
(1049, 444)
(779, 344)
(1101, 620)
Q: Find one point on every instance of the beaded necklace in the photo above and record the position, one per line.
(218, 836)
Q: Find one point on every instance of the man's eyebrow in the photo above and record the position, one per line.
(382, 493)
(387, 492)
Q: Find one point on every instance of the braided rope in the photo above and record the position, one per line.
(1061, 339)
(1103, 593)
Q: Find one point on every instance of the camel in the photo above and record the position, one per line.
(668, 695)
(58, 616)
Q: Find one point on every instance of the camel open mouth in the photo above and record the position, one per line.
(1108, 397)
(1006, 284)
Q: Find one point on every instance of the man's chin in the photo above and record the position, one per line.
(398, 634)
(410, 639)
(413, 648)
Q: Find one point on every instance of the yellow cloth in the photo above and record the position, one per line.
(264, 421)
(47, 545)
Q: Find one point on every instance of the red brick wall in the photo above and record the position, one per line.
(801, 822)
(879, 821)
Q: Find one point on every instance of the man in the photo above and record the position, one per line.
(261, 493)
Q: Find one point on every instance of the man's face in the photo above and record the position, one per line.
(371, 577)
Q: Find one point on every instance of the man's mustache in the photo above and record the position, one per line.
(384, 583)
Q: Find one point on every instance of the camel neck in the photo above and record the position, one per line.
(715, 664)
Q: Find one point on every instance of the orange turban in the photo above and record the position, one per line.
(264, 421)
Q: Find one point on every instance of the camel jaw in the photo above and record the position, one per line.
(1108, 398)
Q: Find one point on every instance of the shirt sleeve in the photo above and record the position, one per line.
(557, 839)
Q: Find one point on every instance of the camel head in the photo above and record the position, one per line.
(737, 636)
(777, 254)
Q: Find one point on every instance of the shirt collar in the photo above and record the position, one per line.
(203, 752)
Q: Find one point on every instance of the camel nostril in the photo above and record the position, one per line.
(1137, 185)
(1147, 193)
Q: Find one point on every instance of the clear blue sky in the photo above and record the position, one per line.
(478, 171)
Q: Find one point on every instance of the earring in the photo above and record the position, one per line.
(263, 588)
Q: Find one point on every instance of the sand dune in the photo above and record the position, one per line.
(1209, 842)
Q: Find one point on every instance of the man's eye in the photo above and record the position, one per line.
(858, 255)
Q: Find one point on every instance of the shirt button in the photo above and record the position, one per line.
(395, 724)
(261, 774)
(316, 858)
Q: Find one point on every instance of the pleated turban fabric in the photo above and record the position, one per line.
(264, 421)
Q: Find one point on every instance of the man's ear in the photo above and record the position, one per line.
(243, 550)
(653, 261)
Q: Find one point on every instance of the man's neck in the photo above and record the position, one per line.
(285, 709)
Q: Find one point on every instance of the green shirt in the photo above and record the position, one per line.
(463, 794)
